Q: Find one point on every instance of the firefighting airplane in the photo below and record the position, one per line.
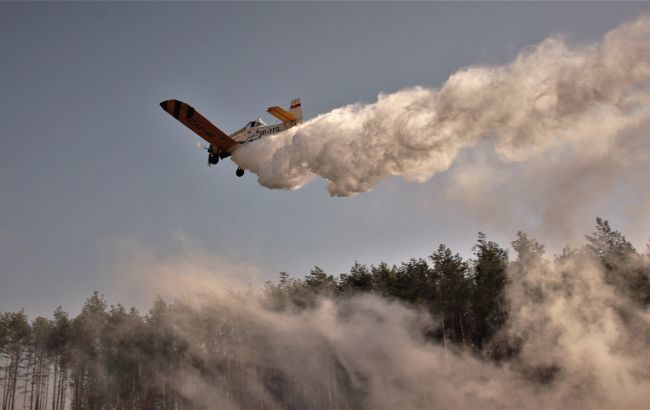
(221, 144)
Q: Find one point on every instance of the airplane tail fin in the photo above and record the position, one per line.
(296, 109)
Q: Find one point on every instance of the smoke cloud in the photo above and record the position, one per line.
(362, 353)
(187, 270)
(583, 345)
(586, 98)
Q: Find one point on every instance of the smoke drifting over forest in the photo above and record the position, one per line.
(496, 331)
(581, 345)
(590, 100)
(577, 335)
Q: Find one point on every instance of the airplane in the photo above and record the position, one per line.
(223, 145)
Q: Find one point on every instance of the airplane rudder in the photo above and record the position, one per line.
(296, 108)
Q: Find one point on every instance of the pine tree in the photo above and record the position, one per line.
(490, 279)
(319, 282)
(624, 267)
(609, 246)
(454, 293)
(413, 282)
(15, 334)
(358, 280)
(88, 373)
(40, 369)
(383, 278)
(59, 348)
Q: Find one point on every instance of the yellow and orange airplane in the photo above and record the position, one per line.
(221, 144)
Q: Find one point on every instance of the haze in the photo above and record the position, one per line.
(96, 180)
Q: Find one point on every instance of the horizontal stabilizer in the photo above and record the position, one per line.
(193, 120)
(281, 114)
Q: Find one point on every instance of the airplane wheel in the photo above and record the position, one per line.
(239, 172)
(213, 159)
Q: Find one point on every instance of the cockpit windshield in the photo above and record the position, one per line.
(257, 123)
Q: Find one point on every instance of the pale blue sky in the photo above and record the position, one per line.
(89, 159)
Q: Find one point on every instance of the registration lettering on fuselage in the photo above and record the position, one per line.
(260, 132)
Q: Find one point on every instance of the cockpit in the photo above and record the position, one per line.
(257, 123)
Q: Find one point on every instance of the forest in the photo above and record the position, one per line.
(440, 331)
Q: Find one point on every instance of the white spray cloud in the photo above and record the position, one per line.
(550, 95)
(556, 194)
(369, 352)
(570, 319)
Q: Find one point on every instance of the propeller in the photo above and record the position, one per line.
(201, 146)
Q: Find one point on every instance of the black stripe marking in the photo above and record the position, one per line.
(190, 111)
(177, 109)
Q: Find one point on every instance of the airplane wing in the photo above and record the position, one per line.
(281, 114)
(191, 118)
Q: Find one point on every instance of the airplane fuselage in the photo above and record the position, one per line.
(250, 134)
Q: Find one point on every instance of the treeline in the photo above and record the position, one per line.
(113, 357)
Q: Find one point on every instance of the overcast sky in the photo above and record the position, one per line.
(90, 165)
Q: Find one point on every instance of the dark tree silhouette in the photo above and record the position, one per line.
(489, 305)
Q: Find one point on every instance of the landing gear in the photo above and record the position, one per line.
(239, 172)
(213, 155)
